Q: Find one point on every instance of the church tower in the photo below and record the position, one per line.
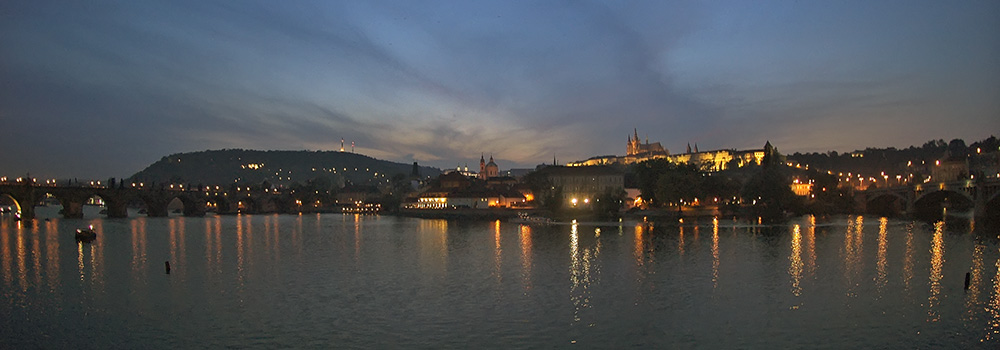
(482, 167)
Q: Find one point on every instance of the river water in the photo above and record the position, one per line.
(346, 281)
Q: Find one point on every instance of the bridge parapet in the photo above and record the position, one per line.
(156, 200)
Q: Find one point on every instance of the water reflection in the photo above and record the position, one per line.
(881, 260)
(7, 257)
(22, 254)
(715, 253)
(853, 248)
(411, 280)
(908, 258)
(680, 240)
(811, 244)
(51, 254)
(139, 259)
(525, 256)
(937, 260)
(795, 261)
(579, 273)
(993, 309)
(433, 235)
(497, 255)
(357, 239)
(975, 279)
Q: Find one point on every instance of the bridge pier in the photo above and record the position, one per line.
(72, 209)
(116, 210)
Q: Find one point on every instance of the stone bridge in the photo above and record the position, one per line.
(197, 202)
(981, 195)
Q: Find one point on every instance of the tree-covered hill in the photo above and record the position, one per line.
(875, 161)
(275, 168)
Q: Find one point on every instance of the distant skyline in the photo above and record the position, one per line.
(100, 89)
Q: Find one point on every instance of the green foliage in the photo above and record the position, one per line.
(771, 191)
(553, 201)
(647, 175)
(681, 183)
(608, 205)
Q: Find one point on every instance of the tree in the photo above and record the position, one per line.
(682, 183)
(608, 204)
(770, 193)
(647, 174)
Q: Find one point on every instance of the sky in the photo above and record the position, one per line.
(94, 89)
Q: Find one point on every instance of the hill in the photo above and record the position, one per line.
(277, 168)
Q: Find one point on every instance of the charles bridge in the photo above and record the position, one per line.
(980, 195)
(155, 200)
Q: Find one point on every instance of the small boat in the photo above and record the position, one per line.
(86, 234)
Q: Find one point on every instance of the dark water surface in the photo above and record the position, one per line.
(344, 281)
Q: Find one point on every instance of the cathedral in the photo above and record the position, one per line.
(634, 148)
(488, 170)
(637, 152)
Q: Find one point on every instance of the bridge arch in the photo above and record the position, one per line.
(14, 203)
(219, 204)
(931, 203)
(886, 204)
(991, 209)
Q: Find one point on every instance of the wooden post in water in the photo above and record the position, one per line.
(167, 263)
(967, 276)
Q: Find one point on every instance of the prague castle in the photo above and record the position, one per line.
(637, 152)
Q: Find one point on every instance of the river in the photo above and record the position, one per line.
(349, 281)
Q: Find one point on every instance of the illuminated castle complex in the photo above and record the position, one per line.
(637, 152)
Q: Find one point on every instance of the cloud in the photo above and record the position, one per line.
(442, 82)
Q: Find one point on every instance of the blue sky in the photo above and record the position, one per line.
(102, 89)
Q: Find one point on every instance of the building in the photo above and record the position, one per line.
(583, 184)
(457, 191)
(717, 160)
(488, 170)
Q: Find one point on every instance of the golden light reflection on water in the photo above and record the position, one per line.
(715, 253)
(139, 259)
(172, 241)
(578, 274)
(357, 239)
(22, 269)
(795, 261)
(240, 273)
(680, 240)
(525, 256)
(881, 260)
(975, 280)
(276, 237)
(853, 251)
(811, 246)
(908, 258)
(434, 246)
(79, 259)
(497, 255)
(937, 261)
(6, 258)
(52, 254)
(209, 246)
(583, 271)
(36, 256)
(992, 329)
(641, 250)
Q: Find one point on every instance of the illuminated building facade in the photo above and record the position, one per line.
(585, 183)
(717, 160)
